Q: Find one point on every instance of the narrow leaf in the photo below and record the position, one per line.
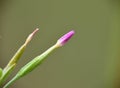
(1, 72)
(12, 63)
(6, 73)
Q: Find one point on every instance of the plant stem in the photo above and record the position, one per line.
(31, 65)
(11, 81)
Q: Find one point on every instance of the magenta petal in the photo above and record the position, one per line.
(66, 37)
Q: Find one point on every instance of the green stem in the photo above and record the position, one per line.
(11, 81)
(31, 65)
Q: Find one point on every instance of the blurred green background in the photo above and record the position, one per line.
(89, 60)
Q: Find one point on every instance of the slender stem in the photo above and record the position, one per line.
(11, 81)
(31, 65)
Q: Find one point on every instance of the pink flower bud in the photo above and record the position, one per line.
(65, 38)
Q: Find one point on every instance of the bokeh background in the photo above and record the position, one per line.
(89, 60)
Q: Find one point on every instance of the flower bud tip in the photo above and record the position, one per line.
(61, 41)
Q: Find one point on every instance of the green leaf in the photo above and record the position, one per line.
(12, 63)
(6, 73)
(1, 72)
(20, 51)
